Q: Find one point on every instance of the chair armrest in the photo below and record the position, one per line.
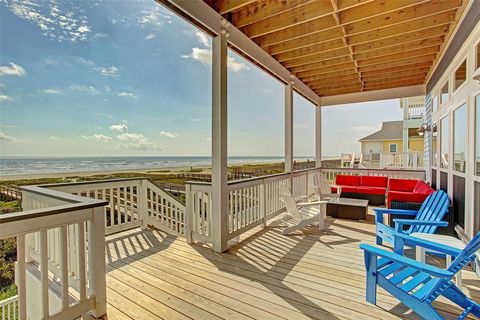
(395, 211)
(311, 203)
(400, 239)
(434, 271)
(399, 223)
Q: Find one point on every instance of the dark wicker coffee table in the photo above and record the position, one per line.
(346, 208)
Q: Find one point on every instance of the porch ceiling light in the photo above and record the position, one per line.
(434, 129)
(423, 128)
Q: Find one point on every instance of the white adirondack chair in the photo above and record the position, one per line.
(299, 215)
(322, 188)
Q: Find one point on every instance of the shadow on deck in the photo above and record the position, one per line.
(315, 275)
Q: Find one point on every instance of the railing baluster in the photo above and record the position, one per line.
(44, 273)
(81, 259)
(64, 266)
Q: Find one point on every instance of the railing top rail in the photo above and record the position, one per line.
(8, 301)
(396, 170)
(72, 203)
(91, 182)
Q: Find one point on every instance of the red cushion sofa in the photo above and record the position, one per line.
(403, 190)
(363, 187)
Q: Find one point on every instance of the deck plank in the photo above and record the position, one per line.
(315, 275)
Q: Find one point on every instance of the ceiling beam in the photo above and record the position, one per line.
(391, 58)
(400, 83)
(318, 57)
(263, 9)
(423, 43)
(333, 73)
(311, 50)
(321, 64)
(296, 16)
(326, 70)
(409, 67)
(226, 6)
(403, 15)
(398, 63)
(393, 93)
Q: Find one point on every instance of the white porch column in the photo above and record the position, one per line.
(318, 136)
(405, 128)
(288, 128)
(219, 144)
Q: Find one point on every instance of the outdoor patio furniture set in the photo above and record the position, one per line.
(414, 282)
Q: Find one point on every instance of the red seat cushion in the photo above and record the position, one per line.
(405, 185)
(422, 188)
(343, 180)
(370, 181)
(371, 190)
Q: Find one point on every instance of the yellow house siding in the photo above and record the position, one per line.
(416, 145)
(387, 143)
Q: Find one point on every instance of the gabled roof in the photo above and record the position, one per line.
(391, 130)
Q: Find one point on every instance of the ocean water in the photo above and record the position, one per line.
(19, 166)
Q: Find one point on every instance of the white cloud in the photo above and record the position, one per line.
(121, 127)
(168, 134)
(4, 137)
(127, 95)
(98, 138)
(150, 36)
(107, 71)
(203, 38)
(136, 141)
(204, 56)
(84, 89)
(54, 138)
(4, 98)
(56, 23)
(12, 69)
(52, 91)
(86, 62)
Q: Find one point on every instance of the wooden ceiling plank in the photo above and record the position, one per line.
(293, 17)
(399, 56)
(322, 56)
(327, 80)
(440, 19)
(402, 73)
(321, 64)
(405, 68)
(376, 8)
(326, 70)
(264, 9)
(337, 84)
(317, 48)
(398, 63)
(226, 6)
(395, 78)
(314, 26)
(403, 15)
(424, 43)
(396, 84)
(334, 73)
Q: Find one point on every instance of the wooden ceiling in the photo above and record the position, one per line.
(346, 46)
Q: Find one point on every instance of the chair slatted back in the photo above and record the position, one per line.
(467, 255)
(289, 201)
(433, 208)
(321, 185)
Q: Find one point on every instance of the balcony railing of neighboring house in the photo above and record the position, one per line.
(416, 111)
(412, 160)
(406, 160)
(63, 226)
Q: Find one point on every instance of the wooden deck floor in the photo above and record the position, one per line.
(318, 275)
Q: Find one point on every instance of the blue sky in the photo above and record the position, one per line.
(131, 78)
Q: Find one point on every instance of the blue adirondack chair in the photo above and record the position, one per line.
(425, 220)
(418, 284)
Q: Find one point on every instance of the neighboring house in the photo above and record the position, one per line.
(398, 136)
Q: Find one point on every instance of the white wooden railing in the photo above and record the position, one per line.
(416, 111)
(9, 308)
(251, 203)
(60, 269)
(402, 160)
(132, 203)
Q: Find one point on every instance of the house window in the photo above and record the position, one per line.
(435, 103)
(460, 138)
(393, 147)
(461, 74)
(444, 96)
(444, 143)
(477, 136)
